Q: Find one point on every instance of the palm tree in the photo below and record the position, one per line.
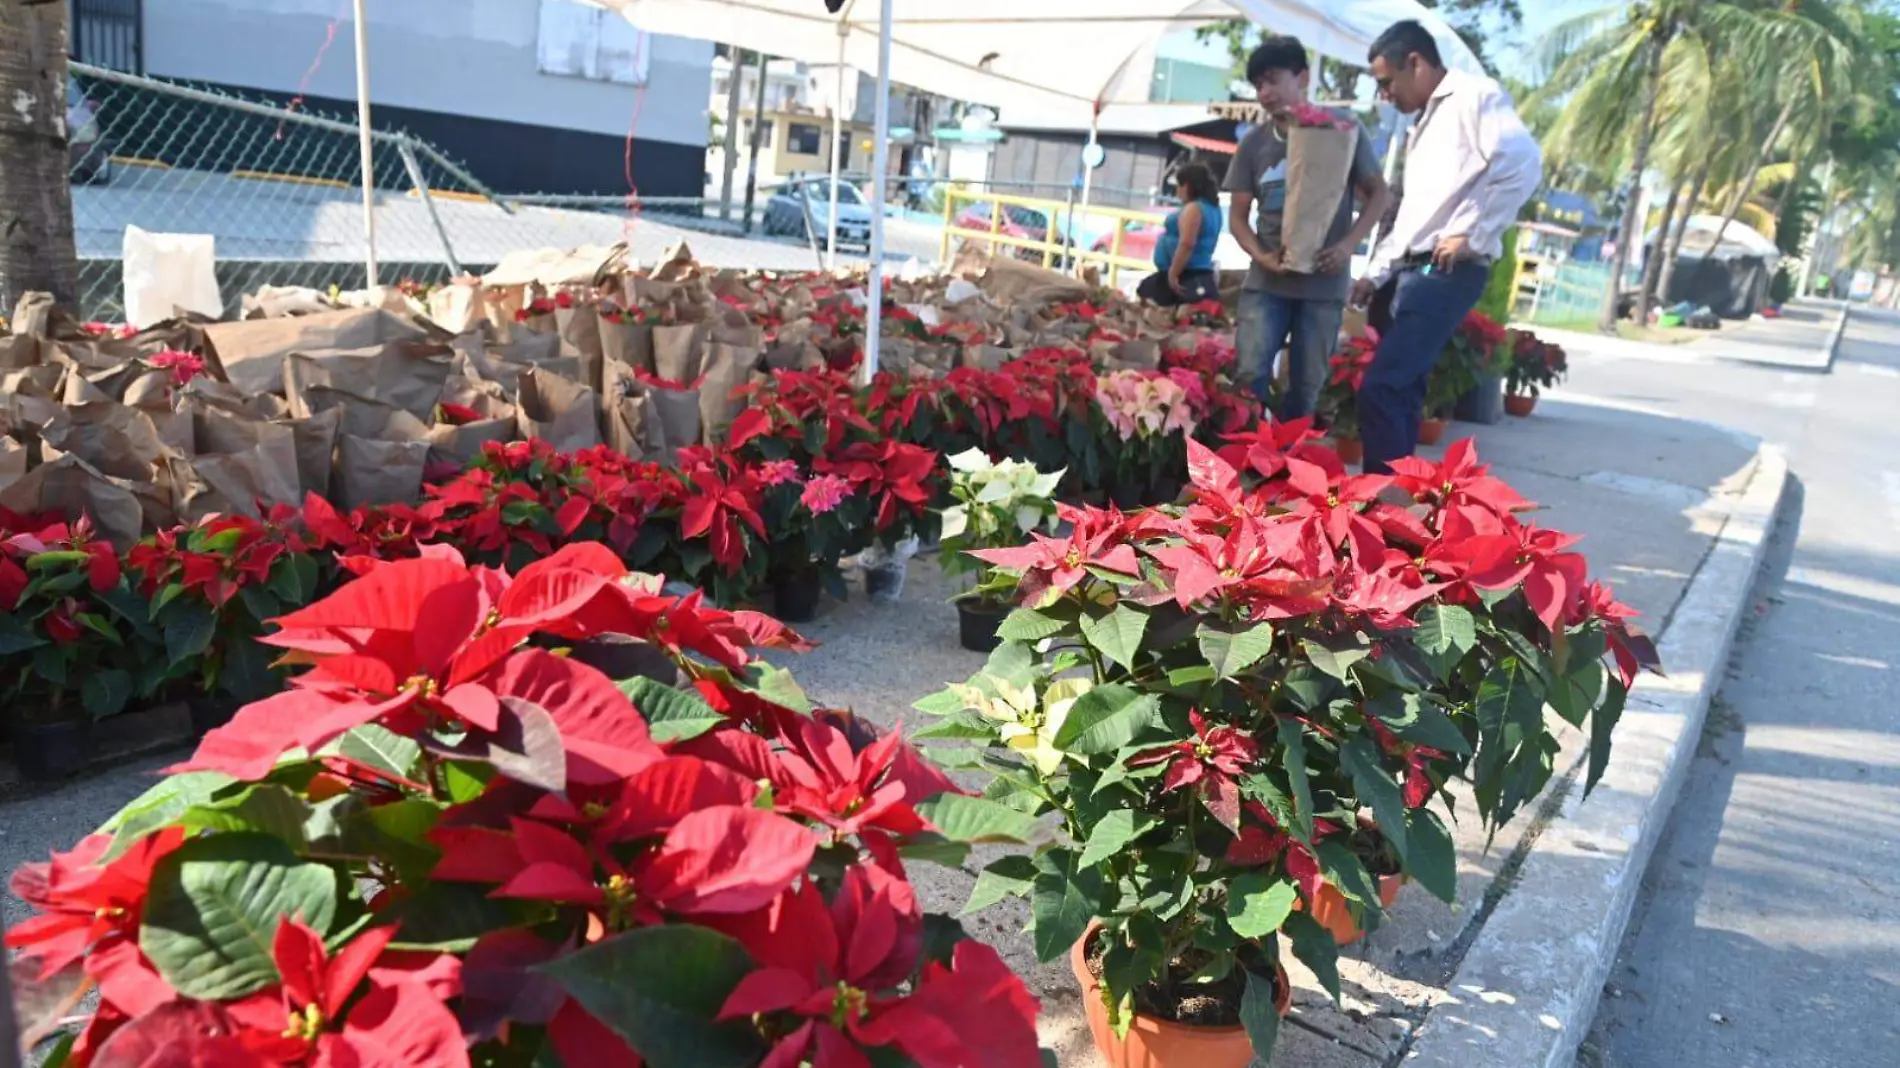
(1610, 66)
(1812, 65)
(36, 203)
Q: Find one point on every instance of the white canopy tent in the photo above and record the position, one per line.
(1041, 56)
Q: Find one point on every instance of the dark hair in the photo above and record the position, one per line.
(1276, 53)
(1197, 182)
(1403, 39)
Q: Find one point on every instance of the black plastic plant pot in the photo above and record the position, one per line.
(795, 595)
(211, 711)
(977, 621)
(52, 750)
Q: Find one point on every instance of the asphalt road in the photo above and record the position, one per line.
(1768, 932)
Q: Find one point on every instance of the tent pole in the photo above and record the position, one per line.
(1078, 227)
(366, 146)
(837, 154)
(880, 160)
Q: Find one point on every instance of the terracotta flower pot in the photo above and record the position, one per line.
(1332, 912)
(1153, 1043)
(1351, 450)
(1431, 431)
(1519, 404)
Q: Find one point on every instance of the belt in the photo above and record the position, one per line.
(1414, 261)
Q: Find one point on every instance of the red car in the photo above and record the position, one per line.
(1016, 221)
(1138, 242)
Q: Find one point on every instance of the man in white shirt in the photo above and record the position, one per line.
(1470, 167)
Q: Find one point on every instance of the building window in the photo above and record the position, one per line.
(581, 41)
(804, 139)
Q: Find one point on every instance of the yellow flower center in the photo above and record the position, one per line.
(420, 685)
(593, 810)
(850, 1004)
(306, 1025)
(1074, 559)
(1332, 500)
(1204, 751)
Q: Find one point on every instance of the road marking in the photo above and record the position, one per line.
(1890, 488)
(1798, 400)
(1875, 369)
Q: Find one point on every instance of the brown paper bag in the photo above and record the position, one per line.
(626, 342)
(250, 354)
(315, 440)
(579, 329)
(401, 374)
(728, 367)
(558, 410)
(241, 463)
(34, 315)
(117, 440)
(460, 446)
(379, 472)
(458, 306)
(70, 487)
(679, 352)
(676, 411)
(1318, 164)
(12, 461)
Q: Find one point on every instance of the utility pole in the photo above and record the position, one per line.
(734, 68)
(758, 133)
(36, 201)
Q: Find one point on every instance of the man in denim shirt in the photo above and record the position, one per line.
(1277, 303)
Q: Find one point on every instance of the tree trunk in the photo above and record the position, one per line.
(1674, 243)
(1645, 134)
(735, 62)
(1652, 262)
(758, 136)
(36, 203)
(1747, 182)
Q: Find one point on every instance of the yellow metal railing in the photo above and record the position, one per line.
(1053, 244)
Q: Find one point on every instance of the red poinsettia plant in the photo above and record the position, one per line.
(1536, 365)
(75, 639)
(211, 585)
(451, 841)
(1215, 699)
(1346, 372)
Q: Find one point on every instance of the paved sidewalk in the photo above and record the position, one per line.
(1647, 493)
(1801, 340)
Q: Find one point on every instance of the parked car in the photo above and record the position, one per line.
(1014, 220)
(89, 151)
(787, 212)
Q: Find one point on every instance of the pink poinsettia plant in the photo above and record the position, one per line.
(1230, 704)
(454, 840)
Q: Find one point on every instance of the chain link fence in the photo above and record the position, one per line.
(280, 189)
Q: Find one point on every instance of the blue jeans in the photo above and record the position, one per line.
(1266, 323)
(1426, 313)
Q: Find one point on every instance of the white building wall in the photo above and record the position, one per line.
(459, 57)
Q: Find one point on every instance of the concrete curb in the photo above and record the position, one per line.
(1526, 993)
(1834, 342)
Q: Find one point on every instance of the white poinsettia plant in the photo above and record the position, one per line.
(1000, 503)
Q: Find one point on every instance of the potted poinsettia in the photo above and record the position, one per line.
(75, 638)
(211, 586)
(1152, 414)
(999, 503)
(1215, 727)
(1475, 355)
(1339, 397)
(1536, 365)
(445, 844)
(809, 526)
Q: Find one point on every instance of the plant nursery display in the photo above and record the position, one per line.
(489, 769)
(1235, 708)
(448, 844)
